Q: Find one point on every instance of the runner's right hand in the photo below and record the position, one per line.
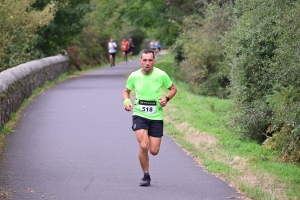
(128, 107)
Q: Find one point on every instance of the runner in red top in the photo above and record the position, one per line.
(125, 48)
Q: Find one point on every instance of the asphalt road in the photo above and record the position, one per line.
(74, 142)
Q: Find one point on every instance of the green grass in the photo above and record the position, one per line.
(213, 116)
(6, 129)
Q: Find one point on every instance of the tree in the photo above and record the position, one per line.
(18, 25)
(64, 27)
(99, 28)
(161, 19)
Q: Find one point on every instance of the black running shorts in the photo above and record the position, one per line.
(113, 54)
(154, 127)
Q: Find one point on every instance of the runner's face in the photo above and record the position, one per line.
(147, 62)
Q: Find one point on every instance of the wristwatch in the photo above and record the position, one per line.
(168, 99)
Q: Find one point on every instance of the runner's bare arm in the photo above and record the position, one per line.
(172, 91)
(126, 97)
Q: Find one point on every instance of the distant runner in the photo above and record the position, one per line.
(148, 108)
(152, 45)
(131, 46)
(157, 47)
(125, 48)
(112, 48)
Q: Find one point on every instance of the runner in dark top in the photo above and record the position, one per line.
(131, 46)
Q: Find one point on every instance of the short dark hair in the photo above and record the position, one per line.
(146, 51)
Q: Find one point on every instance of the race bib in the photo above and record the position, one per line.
(147, 106)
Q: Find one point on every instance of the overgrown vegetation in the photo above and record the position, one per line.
(65, 25)
(33, 29)
(159, 19)
(199, 53)
(92, 42)
(247, 51)
(204, 128)
(260, 50)
(18, 23)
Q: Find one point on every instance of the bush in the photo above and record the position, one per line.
(261, 52)
(199, 50)
(92, 44)
(254, 116)
(250, 50)
(18, 25)
(285, 128)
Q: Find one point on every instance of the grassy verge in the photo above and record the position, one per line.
(201, 126)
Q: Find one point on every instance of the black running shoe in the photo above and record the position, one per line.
(111, 65)
(145, 181)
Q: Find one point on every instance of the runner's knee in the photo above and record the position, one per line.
(144, 146)
(154, 152)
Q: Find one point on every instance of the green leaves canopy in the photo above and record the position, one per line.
(18, 24)
(159, 18)
(65, 25)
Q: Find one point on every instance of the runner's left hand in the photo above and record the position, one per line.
(162, 102)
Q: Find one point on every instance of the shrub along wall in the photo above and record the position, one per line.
(18, 83)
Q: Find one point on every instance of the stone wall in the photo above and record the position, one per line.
(18, 83)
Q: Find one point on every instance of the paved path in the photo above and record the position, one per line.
(74, 142)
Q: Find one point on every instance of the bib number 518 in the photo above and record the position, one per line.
(147, 109)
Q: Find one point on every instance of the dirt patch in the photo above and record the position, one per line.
(200, 139)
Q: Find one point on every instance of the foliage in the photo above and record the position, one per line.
(286, 101)
(32, 29)
(285, 124)
(18, 25)
(93, 40)
(202, 128)
(160, 18)
(262, 54)
(201, 52)
(64, 27)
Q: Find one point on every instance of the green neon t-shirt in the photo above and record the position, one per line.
(148, 89)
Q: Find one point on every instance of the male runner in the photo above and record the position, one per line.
(148, 108)
(130, 50)
(125, 47)
(112, 48)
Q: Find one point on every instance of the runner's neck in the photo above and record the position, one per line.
(147, 73)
